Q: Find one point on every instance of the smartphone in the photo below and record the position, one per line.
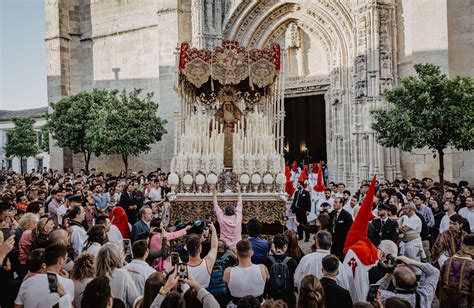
(127, 246)
(372, 294)
(174, 258)
(182, 271)
(52, 282)
(206, 232)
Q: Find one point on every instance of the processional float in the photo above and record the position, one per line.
(229, 130)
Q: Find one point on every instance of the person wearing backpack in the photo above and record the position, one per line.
(217, 287)
(282, 269)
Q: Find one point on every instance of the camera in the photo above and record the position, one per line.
(389, 264)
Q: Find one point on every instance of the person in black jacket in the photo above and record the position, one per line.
(383, 228)
(129, 204)
(341, 222)
(334, 295)
(301, 207)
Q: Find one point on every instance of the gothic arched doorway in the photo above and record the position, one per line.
(305, 129)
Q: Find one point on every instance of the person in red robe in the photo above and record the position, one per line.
(118, 217)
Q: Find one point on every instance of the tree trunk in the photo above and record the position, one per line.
(87, 159)
(125, 162)
(441, 170)
(21, 165)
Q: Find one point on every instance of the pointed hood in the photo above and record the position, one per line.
(303, 176)
(320, 187)
(306, 168)
(357, 239)
(315, 168)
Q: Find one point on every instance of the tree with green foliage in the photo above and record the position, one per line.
(127, 124)
(44, 132)
(428, 110)
(22, 139)
(71, 119)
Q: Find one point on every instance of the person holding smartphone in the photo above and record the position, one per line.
(47, 290)
(199, 268)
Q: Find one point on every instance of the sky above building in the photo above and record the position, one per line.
(22, 55)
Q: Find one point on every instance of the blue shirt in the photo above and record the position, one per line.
(101, 200)
(260, 249)
(427, 215)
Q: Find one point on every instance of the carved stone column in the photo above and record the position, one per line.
(373, 74)
(207, 18)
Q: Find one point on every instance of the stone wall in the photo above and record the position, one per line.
(117, 45)
(439, 32)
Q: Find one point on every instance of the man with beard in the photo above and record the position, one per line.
(326, 199)
(383, 228)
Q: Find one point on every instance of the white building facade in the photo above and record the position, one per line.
(41, 160)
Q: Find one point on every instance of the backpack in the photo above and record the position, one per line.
(280, 283)
(217, 286)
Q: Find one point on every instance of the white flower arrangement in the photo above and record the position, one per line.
(200, 179)
(212, 179)
(173, 178)
(188, 179)
(256, 179)
(268, 179)
(244, 179)
(281, 179)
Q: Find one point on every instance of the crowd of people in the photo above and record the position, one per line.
(98, 240)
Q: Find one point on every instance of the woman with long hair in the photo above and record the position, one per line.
(153, 285)
(311, 293)
(109, 263)
(294, 251)
(97, 237)
(82, 273)
(118, 218)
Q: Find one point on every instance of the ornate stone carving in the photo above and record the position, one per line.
(361, 76)
(292, 36)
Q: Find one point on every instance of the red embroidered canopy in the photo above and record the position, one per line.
(229, 64)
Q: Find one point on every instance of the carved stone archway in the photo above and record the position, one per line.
(358, 38)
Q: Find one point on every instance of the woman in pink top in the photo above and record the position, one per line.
(230, 221)
(156, 240)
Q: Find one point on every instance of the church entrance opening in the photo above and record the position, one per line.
(305, 129)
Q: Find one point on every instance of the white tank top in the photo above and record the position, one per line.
(246, 281)
(200, 273)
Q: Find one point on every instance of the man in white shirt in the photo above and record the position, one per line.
(35, 291)
(326, 199)
(138, 268)
(410, 228)
(311, 264)
(155, 192)
(450, 209)
(468, 212)
(78, 232)
(352, 207)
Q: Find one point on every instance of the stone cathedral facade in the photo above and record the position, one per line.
(348, 51)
